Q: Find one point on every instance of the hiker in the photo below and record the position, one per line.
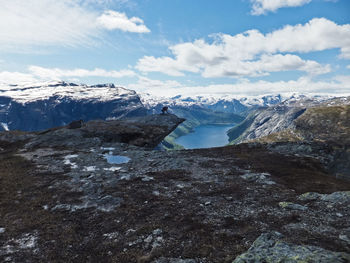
(165, 110)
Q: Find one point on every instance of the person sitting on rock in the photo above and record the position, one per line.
(165, 110)
(75, 124)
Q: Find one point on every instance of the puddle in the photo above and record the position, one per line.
(116, 159)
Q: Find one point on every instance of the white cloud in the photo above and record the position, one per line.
(253, 53)
(338, 85)
(33, 23)
(266, 64)
(166, 65)
(112, 20)
(16, 77)
(150, 85)
(56, 73)
(44, 22)
(36, 74)
(261, 7)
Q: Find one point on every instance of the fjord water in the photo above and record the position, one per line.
(206, 136)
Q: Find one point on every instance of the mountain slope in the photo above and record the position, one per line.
(263, 122)
(42, 106)
(319, 115)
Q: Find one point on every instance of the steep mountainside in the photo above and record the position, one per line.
(42, 106)
(262, 122)
(321, 130)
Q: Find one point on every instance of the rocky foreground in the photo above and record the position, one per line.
(96, 192)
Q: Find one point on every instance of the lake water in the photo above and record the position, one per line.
(116, 159)
(206, 136)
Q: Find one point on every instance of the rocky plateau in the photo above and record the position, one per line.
(99, 192)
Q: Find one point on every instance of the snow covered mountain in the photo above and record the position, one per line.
(44, 105)
(227, 103)
(40, 106)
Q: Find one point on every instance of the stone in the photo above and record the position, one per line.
(270, 248)
(333, 198)
(261, 178)
(75, 124)
(292, 206)
(345, 238)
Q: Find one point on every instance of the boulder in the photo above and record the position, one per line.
(270, 247)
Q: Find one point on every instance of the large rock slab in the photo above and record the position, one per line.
(269, 247)
(147, 131)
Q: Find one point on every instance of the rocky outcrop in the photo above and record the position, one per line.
(42, 106)
(269, 247)
(97, 192)
(146, 131)
(80, 195)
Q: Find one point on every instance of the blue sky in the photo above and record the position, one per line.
(170, 47)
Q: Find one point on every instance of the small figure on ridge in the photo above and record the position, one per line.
(165, 110)
(75, 124)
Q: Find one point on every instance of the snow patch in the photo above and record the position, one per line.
(68, 162)
(89, 168)
(4, 126)
(108, 148)
(113, 169)
(71, 156)
(41, 91)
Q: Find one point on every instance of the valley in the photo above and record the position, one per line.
(206, 136)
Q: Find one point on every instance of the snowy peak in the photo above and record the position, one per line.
(41, 106)
(227, 101)
(41, 91)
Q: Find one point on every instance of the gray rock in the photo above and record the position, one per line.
(292, 206)
(261, 178)
(147, 131)
(269, 247)
(345, 238)
(334, 198)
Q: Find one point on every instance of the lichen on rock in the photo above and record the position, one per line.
(270, 248)
(335, 198)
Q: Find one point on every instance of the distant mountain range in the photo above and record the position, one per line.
(220, 104)
(39, 106)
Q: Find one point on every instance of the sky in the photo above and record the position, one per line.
(180, 47)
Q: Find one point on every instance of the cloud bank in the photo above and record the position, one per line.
(339, 85)
(252, 53)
